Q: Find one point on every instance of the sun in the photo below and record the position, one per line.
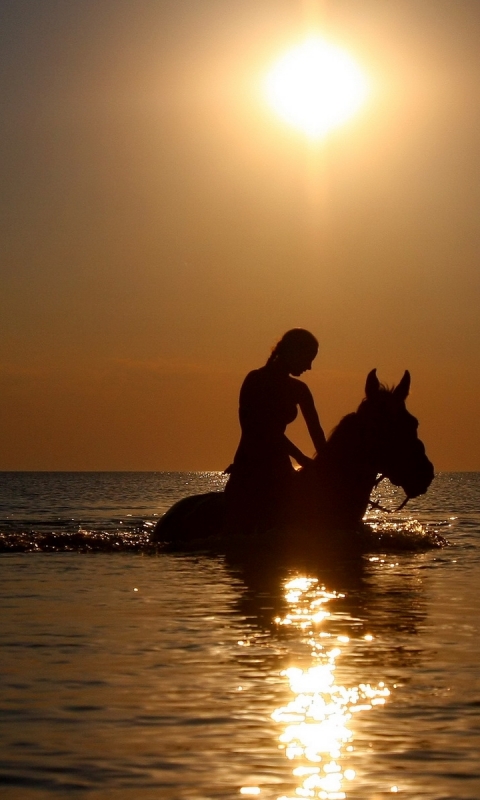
(316, 87)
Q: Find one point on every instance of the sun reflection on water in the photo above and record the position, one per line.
(316, 730)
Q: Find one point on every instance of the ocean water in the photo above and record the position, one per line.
(128, 673)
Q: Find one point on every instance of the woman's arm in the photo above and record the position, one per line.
(307, 407)
(297, 454)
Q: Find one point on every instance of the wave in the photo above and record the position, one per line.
(135, 537)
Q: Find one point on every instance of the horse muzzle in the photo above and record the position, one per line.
(414, 473)
(419, 481)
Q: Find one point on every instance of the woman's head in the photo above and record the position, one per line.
(295, 351)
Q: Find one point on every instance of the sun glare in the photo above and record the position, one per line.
(316, 87)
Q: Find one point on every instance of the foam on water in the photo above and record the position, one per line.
(63, 512)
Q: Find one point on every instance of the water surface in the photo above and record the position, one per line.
(128, 675)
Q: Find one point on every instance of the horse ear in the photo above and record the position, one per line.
(372, 385)
(401, 391)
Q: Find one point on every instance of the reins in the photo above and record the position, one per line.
(378, 507)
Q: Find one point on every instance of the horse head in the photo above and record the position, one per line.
(395, 449)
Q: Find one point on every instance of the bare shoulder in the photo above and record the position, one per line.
(301, 391)
(254, 377)
(252, 383)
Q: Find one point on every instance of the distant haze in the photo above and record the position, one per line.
(161, 228)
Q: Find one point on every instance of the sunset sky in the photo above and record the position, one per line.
(162, 226)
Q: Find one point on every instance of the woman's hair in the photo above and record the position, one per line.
(295, 340)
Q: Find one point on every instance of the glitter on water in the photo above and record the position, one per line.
(128, 674)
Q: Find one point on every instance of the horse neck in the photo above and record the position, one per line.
(351, 468)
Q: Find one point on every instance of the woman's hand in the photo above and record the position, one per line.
(297, 454)
(305, 461)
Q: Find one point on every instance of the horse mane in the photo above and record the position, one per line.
(345, 428)
(349, 425)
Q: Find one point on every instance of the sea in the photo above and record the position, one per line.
(128, 673)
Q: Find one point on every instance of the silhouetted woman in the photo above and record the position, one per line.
(262, 472)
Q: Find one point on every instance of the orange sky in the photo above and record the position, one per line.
(161, 228)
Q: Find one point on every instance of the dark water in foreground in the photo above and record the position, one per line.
(133, 675)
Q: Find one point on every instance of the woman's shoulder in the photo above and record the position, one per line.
(300, 390)
(254, 376)
(253, 383)
(298, 385)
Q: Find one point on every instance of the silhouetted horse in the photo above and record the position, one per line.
(379, 439)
